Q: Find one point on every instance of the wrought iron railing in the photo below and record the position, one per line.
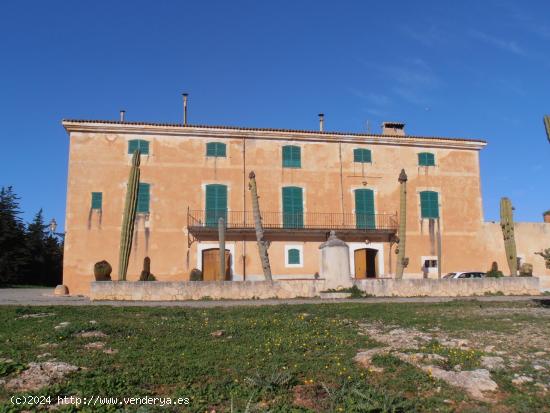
(284, 220)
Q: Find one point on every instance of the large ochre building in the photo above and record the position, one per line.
(309, 183)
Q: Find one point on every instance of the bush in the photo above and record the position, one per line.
(195, 275)
(526, 270)
(494, 271)
(102, 271)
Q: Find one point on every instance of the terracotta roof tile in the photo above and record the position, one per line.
(313, 132)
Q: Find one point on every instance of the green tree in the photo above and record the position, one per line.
(13, 252)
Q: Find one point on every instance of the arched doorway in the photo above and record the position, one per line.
(211, 265)
(366, 265)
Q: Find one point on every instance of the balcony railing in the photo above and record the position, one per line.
(294, 221)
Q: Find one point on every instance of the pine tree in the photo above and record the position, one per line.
(13, 253)
(36, 247)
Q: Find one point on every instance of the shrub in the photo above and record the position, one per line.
(494, 271)
(195, 275)
(102, 271)
(526, 270)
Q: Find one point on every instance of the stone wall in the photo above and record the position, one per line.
(386, 287)
(240, 290)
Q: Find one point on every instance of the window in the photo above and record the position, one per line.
(429, 204)
(215, 149)
(364, 209)
(216, 204)
(294, 256)
(291, 157)
(293, 207)
(426, 159)
(97, 200)
(143, 198)
(362, 155)
(140, 144)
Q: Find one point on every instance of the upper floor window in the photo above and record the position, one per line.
(429, 204)
(97, 200)
(292, 157)
(362, 155)
(143, 198)
(426, 159)
(140, 144)
(216, 149)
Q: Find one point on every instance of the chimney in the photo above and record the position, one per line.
(393, 128)
(321, 122)
(122, 115)
(185, 108)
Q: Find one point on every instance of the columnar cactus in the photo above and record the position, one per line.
(507, 225)
(547, 126)
(401, 260)
(128, 219)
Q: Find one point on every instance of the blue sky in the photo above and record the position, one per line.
(466, 69)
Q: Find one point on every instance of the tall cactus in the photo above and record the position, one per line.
(547, 126)
(262, 244)
(128, 219)
(507, 225)
(401, 260)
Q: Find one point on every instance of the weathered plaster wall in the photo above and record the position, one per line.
(231, 290)
(178, 171)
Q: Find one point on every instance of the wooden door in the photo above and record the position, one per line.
(211, 265)
(360, 257)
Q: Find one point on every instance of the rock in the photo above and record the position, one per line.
(62, 325)
(364, 358)
(110, 351)
(48, 345)
(40, 356)
(61, 290)
(96, 345)
(92, 322)
(39, 375)
(90, 334)
(489, 349)
(37, 315)
(475, 382)
(492, 363)
(519, 380)
(538, 367)
(217, 333)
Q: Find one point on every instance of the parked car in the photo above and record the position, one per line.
(465, 274)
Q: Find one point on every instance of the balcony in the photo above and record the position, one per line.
(279, 226)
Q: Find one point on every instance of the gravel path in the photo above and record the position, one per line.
(44, 296)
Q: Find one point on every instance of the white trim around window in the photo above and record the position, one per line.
(298, 247)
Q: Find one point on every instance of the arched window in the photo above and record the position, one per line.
(293, 256)
(215, 149)
(426, 159)
(140, 144)
(429, 204)
(362, 155)
(292, 157)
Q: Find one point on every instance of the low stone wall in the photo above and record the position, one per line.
(389, 287)
(196, 290)
(240, 290)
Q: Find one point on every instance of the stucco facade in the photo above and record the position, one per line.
(178, 172)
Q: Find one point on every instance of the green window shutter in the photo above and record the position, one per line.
(362, 155)
(293, 207)
(292, 157)
(143, 198)
(97, 200)
(216, 149)
(426, 159)
(216, 204)
(429, 204)
(134, 144)
(364, 209)
(293, 256)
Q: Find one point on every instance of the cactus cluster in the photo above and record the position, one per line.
(127, 230)
(507, 225)
(102, 271)
(402, 261)
(146, 272)
(546, 255)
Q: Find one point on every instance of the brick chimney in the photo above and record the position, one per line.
(393, 128)
(546, 216)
